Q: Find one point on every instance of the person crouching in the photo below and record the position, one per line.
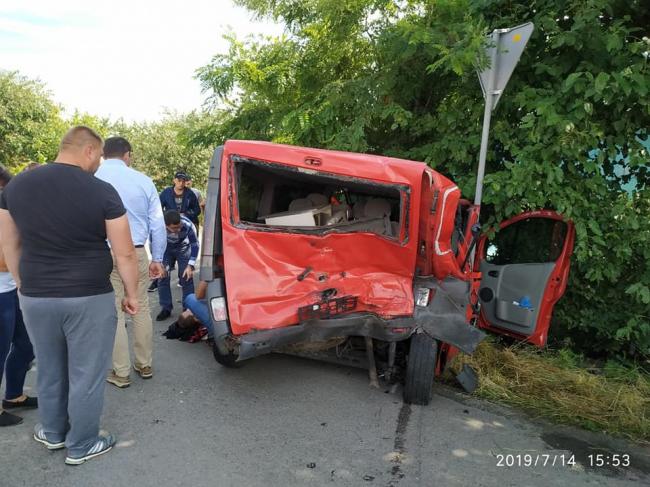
(182, 250)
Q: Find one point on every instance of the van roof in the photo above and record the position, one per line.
(379, 168)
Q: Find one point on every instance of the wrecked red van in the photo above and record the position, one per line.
(365, 260)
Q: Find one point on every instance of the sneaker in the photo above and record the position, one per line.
(163, 315)
(39, 435)
(145, 372)
(104, 444)
(118, 381)
(153, 286)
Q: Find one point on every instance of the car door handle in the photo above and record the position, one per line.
(493, 273)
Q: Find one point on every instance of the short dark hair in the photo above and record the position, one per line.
(5, 176)
(116, 147)
(172, 217)
(187, 321)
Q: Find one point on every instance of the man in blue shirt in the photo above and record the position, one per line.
(182, 249)
(181, 199)
(145, 215)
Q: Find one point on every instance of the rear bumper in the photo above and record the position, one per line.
(443, 319)
(360, 324)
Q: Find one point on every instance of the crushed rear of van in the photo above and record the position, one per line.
(308, 250)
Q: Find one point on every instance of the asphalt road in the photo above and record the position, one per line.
(281, 420)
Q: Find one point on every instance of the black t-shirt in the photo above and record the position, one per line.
(61, 212)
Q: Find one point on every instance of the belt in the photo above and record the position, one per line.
(139, 246)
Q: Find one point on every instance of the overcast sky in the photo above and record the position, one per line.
(120, 58)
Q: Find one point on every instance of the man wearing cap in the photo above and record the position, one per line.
(181, 199)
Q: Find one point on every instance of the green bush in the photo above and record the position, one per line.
(398, 78)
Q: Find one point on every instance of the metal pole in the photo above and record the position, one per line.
(372, 367)
(487, 115)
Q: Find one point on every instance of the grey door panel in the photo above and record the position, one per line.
(509, 285)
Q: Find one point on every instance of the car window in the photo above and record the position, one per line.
(533, 240)
(291, 199)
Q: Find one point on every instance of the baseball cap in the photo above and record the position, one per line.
(181, 175)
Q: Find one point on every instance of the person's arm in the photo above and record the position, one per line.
(198, 206)
(194, 245)
(201, 290)
(193, 209)
(119, 236)
(194, 251)
(3, 263)
(10, 242)
(163, 200)
(157, 233)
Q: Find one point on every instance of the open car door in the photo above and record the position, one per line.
(524, 272)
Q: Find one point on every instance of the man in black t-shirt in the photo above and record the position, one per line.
(54, 222)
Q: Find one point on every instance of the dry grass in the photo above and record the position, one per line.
(615, 400)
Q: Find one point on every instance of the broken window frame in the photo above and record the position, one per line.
(233, 201)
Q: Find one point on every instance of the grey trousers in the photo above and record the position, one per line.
(73, 340)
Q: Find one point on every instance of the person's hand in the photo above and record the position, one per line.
(188, 273)
(157, 270)
(130, 305)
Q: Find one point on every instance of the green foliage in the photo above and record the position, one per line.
(31, 127)
(161, 148)
(102, 126)
(30, 123)
(397, 77)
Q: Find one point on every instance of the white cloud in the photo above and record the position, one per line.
(123, 58)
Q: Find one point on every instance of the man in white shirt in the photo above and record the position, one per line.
(140, 198)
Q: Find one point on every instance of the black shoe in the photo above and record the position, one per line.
(28, 403)
(163, 315)
(153, 286)
(8, 419)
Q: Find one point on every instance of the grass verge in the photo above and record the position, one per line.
(559, 386)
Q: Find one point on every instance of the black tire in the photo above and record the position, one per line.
(228, 359)
(420, 370)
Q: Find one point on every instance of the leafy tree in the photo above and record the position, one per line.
(30, 122)
(101, 125)
(397, 77)
(161, 148)
(31, 127)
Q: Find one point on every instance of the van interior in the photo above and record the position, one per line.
(297, 199)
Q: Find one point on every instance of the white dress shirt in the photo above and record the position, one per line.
(140, 198)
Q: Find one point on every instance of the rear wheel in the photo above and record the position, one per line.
(420, 369)
(225, 358)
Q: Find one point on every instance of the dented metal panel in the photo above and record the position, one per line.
(266, 270)
(445, 316)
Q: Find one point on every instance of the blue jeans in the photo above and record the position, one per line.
(199, 308)
(16, 351)
(181, 257)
